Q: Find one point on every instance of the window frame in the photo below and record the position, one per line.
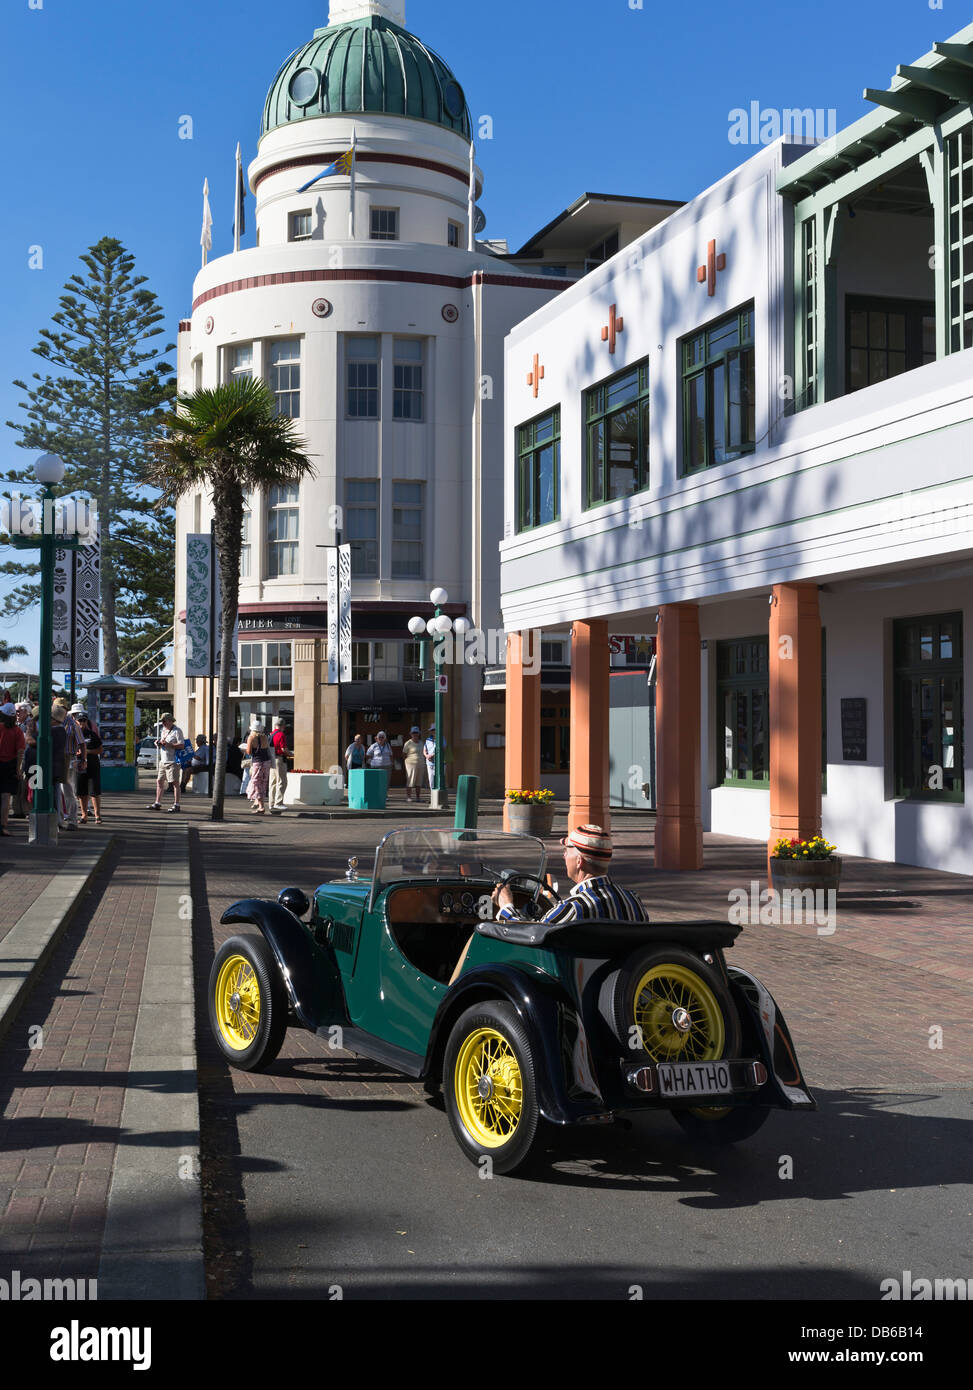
(912, 310)
(457, 227)
(908, 667)
(290, 364)
(383, 236)
(356, 542)
(411, 507)
(528, 432)
(292, 218)
(272, 511)
(591, 418)
(748, 681)
(691, 372)
(408, 365)
(352, 362)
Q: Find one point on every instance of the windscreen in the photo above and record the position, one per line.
(420, 853)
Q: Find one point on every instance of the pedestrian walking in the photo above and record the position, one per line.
(18, 805)
(355, 754)
(76, 758)
(60, 756)
(171, 740)
(429, 752)
(258, 749)
(413, 760)
(379, 756)
(89, 781)
(278, 764)
(12, 745)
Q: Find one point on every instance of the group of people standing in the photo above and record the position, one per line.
(75, 763)
(269, 756)
(416, 754)
(263, 780)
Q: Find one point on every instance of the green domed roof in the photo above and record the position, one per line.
(368, 65)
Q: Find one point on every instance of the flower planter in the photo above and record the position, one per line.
(312, 789)
(531, 819)
(799, 874)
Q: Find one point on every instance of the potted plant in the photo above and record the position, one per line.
(801, 864)
(530, 812)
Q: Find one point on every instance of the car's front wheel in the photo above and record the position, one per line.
(489, 1082)
(247, 1002)
(711, 1124)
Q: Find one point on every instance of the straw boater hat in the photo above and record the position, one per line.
(592, 842)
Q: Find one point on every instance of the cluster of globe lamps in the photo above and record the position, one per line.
(436, 629)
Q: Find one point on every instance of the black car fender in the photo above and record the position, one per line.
(764, 1025)
(308, 973)
(567, 1091)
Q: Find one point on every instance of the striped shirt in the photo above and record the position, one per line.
(597, 896)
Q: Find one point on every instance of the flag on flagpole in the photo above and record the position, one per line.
(471, 209)
(342, 165)
(351, 185)
(240, 207)
(206, 239)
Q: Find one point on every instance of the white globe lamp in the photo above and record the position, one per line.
(49, 469)
(438, 597)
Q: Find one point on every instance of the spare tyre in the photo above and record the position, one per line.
(673, 1006)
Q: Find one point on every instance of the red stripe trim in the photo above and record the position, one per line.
(407, 277)
(185, 325)
(324, 158)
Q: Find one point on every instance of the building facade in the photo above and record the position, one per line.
(378, 322)
(752, 439)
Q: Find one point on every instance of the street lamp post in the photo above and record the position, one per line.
(49, 470)
(436, 629)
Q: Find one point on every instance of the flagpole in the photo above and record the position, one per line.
(471, 242)
(206, 240)
(236, 199)
(351, 187)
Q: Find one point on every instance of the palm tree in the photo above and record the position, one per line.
(229, 440)
(7, 652)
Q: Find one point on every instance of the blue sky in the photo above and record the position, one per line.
(605, 97)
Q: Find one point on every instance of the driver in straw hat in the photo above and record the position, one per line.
(587, 855)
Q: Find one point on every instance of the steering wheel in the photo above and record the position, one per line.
(531, 909)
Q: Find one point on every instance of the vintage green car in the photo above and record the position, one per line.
(526, 1024)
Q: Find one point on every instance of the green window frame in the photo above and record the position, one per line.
(928, 667)
(885, 337)
(718, 392)
(539, 471)
(617, 436)
(743, 711)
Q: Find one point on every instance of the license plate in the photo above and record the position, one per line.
(694, 1079)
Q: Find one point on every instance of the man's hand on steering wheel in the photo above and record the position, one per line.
(503, 896)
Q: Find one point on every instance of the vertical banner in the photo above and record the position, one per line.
(344, 612)
(63, 610)
(199, 604)
(331, 556)
(87, 605)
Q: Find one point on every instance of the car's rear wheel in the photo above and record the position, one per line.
(247, 1002)
(711, 1124)
(671, 1005)
(489, 1082)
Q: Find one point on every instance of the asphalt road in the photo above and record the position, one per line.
(330, 1176)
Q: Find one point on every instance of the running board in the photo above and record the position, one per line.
(364, 1044)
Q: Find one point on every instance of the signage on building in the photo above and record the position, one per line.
(280, 622)
(626, 650)
(442, 683)
(854, 730)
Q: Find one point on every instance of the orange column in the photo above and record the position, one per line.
(678, 827)
(589, 726)
(795, 713)
(522, 753)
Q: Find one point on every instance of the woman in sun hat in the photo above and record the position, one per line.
(587, 855)
(258, 748)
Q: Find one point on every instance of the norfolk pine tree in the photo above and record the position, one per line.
(98, 410)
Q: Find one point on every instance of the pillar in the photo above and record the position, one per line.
(589, 726)
(306, 704)
(522, 750)
(795, 713)
(678, 827)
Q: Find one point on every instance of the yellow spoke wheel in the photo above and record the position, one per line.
(237, 1000)
(489, 1088)
(678, 1016)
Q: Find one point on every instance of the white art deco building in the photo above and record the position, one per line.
(381, 333)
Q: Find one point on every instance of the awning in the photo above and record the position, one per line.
(390, 695)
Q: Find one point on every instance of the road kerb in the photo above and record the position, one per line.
(153, 1241)
(26, 948)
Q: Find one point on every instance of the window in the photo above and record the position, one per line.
(385, 224)
(718, 392)
(554, 270)
(412, 661)
(552, 653)
(617, 430)
(300, 225)
(555, 738)
(361, 521)
(361, 666)
(538, 471)
(407, 509)
(282, 530)
(241, 361)
(407, 366)
(885, 337)
(602, 252)
(453, 233)
(809, 252)
(959, 198)
(361, 366)
(742, 704)
(246, 539)
(198, 374)
(285, 376)
(928, 656)
(264, 667)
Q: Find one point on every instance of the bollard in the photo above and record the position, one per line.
(467, 802)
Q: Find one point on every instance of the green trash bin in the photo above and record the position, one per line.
(367, 788)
